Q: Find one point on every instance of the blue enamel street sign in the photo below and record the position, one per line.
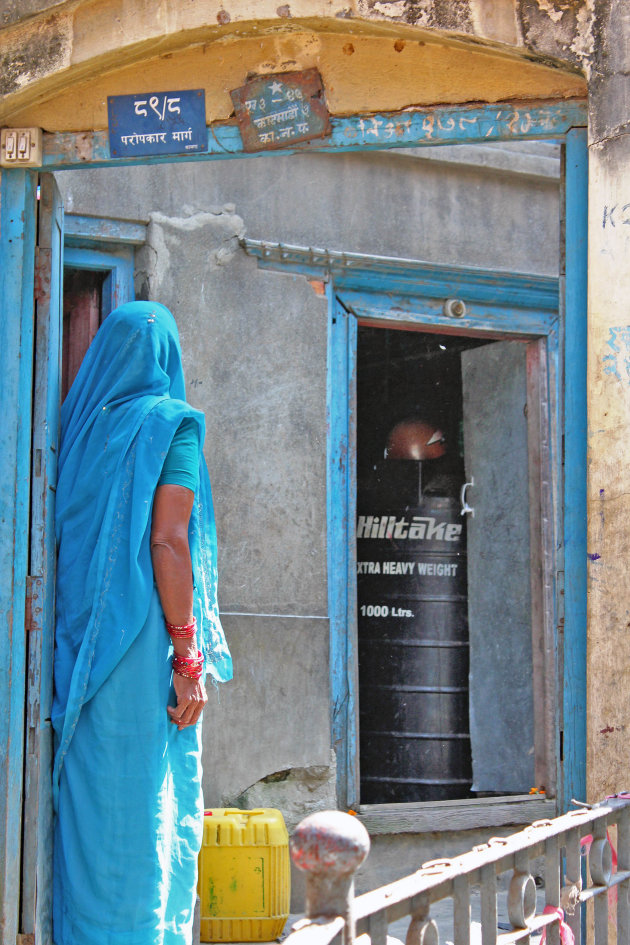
(157, 123)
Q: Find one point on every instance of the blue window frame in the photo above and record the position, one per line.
(99, 276)
(498, 306)
(105, 246)
(117, 270)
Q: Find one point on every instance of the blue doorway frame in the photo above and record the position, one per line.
(499, 306)
(564, 121)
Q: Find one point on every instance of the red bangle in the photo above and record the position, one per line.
(189, 660)
(191, 667)
(185, 631)
(192, 674)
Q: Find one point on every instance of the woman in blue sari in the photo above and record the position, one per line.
(137, 632)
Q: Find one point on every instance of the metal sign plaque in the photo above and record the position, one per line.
(278, 111)
(157, 123)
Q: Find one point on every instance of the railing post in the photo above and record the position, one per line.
(329, 847)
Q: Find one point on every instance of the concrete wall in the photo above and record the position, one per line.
(446, 209)
(255, 361)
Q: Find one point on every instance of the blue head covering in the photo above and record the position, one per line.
(117, 424)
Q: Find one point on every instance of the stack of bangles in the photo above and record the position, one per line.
(191, 667)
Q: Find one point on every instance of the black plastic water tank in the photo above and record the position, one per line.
(413, 653)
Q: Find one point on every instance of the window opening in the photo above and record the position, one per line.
(437, 655)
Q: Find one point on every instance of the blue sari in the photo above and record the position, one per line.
(126, 782)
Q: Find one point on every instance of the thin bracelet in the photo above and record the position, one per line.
(184, 631)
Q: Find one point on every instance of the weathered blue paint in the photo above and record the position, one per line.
(339, 500)
(17, 250)
(378, 290)
(38, 815)
(617, 362)
(350, 305)
(107, 246)
(88, 231)
(457, 125)
(352, 666)
(491, 320)
(443, 125)
(118, 266)
(575, 425)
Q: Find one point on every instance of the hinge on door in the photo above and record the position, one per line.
(33, 586)
(43, 259)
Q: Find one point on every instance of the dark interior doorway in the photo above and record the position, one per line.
(82, 315)
(444, 613)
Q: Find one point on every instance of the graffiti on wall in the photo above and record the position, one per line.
(448, 124)
(617, 362)
(614, 214)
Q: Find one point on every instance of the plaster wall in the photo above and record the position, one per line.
(608, 672)
(256, 365)
(58, 64)
(421, 71)
(475, 206)
(246, 357)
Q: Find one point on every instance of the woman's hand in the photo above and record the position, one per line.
(191, 698)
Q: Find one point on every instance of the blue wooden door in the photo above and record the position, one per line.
(37, 813)
(17, 243)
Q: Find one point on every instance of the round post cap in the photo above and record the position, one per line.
(329, 841)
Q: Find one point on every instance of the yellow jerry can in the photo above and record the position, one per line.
(244, 875)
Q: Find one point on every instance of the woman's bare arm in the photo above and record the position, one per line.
(170, 553)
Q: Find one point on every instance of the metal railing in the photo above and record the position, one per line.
(585, 857)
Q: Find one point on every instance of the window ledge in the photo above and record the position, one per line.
(456, 815)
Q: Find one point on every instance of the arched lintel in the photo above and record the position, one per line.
(367, 65)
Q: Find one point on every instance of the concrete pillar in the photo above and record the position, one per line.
(608, 654)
